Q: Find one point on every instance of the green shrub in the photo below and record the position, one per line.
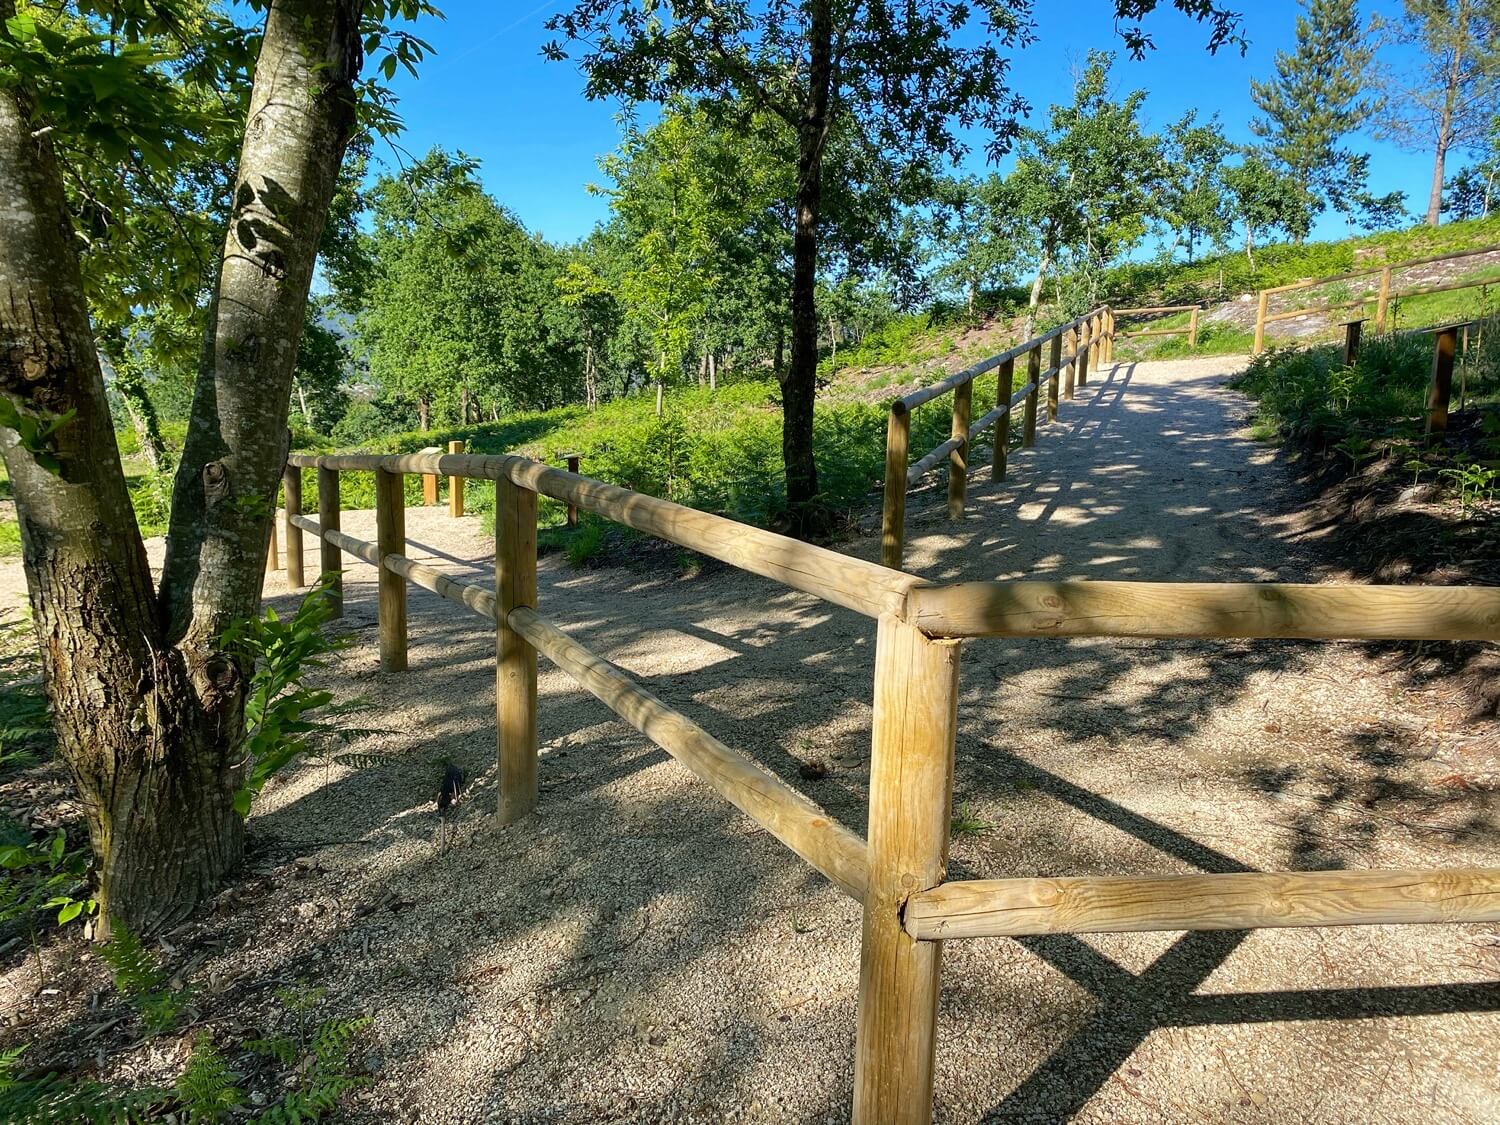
(283, 716)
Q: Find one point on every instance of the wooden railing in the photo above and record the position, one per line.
(1382, 292)
(1190, 328)
(1094, 330)
(898, 872)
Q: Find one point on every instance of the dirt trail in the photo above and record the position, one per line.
(639, 951)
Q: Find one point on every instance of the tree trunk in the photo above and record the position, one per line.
(1036, 292)
(143, 417)
(713, 372)
(301, 394)
(590, 378)
(1454, 79)
(424, 413)
(799, 387)
(150, 710)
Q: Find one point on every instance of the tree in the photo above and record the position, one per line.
(1448, 99)
(1263, 198)
(1315, 100)
(1088, 182)
(1192, 188)
(900, 75)
(459, 299)
(323, 363)
(149, 703)
(973, 229)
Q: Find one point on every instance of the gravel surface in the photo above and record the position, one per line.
(639, 951)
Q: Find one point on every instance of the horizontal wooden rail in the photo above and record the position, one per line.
(1380, 294)
(1155, 310)
(1206, 609)
(773, 804)
(306, 523)
(853, 583)
(359, 548)
(937, 390)
(929, 462)
(1375, 271)
(1237, 901)
(471, 595)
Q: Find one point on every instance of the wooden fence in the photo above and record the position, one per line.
(1092, 331)
(1379, 288)
(1190, 328)
(898, 871)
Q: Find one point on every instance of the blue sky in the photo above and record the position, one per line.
(488, 91)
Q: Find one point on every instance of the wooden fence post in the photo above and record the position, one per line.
(455, 485)
(515, 658)
(1382, 302)
(573, 459)
(330, 558)
(1262, 303)
(1034, 377)
(1084, 346)
(1056, 365)
(273, 556)
(1440, 389)
(1005, 384)
(911, 795)
(429, 489)
(291, 484)
(958, 460)
(1193, 328)
(390, 539)
(1072, 335)
(1352, 331)
(893, 509)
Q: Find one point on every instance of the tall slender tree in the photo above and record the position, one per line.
(1446, 100)
(1316, 99)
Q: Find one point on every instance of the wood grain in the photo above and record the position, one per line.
(1238, 901)
(1207, 609)
(911, 789)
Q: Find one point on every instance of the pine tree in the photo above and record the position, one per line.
(1315, 101)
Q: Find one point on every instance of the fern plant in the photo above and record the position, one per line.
(143, 982)
(284, 717)
(207, 1089)
(50, 1098)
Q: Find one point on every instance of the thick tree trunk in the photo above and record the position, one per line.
(150, 710)
(799, 386)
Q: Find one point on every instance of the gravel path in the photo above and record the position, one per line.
(638, 951)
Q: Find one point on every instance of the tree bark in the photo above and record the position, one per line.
(150, 709)
(799, 386)
(1445, 127)
(1036, 292)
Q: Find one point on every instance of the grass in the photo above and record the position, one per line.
(1306, 397)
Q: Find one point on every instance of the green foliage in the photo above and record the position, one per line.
(51, 1099)
(35, 433)
(462, 305)
(282, 715)
(206, 1089)
(143, 982)
(1314, 102)
(40, 876)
